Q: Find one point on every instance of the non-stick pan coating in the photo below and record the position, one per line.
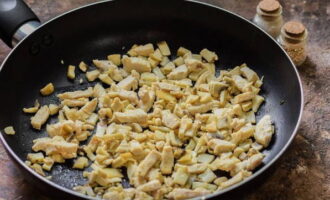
(113, 27)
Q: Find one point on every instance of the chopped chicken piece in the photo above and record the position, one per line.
(183, 193)
(193, 64)
(40, 117)
(131, 116)
(115, 59)
(76, 94)
(104, 65)
(64, 129)
(208, 55)
(71, 72)
(148, 163)
(47, 90)
(168, 86)
(264, 131)
(220, 146)
(135, 63)
(182, 51)
(164, 49)
(235, 179)
(170, 120)
(74, 102)
(167, 160)
(9, 130)
(53, 109)
(203, 108)
(246, 96)
(178, 73)
(83, 66)
(197, 168)
(80, 163)
(56, 145)
(241, 135)
(88, 109)
(130, 82)
(92, 75)
(105, 78)
(32, 109)
(150, 186)
(144, 50)
(249, 73)
(147, 98)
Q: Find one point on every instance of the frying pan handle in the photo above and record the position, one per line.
(16, 21)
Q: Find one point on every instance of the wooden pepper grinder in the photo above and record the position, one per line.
(293, 38)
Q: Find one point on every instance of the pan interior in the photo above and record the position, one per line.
(113, 27)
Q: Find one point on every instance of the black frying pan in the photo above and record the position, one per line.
(97, 30)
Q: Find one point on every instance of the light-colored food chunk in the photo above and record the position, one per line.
(40, 117)
(136, 63)
(115, 59)
(148, 163)
(71, 72)
(164, 49)
(9, 130)
(208, 55)
(80, 163)
(76, 94)
(83, 66)
(220, 146)
(92, 75)
(47, 90)
(150, 186)
(170, 120)
(182, 193)
(178, 73)
(56, 145)
(264, 131)
(131, 116)
(167, 160)
(33, 109)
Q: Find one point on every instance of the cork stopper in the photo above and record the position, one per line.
(294, 28)
(269, 6)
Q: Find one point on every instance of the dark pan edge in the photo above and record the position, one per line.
(257, 173)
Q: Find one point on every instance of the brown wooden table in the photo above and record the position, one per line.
(304, 171)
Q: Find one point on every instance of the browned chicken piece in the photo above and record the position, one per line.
(56, 145)
(148, 163)
(150, 186)
(170, 120)
(130, 82)
(40, 117)
(136, 63)
(182, 193)
(76, 94)
(167, 161)
(131, 116)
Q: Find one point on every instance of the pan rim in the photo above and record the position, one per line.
(254, 175)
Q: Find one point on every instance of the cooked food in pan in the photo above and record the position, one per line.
(166, 123)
